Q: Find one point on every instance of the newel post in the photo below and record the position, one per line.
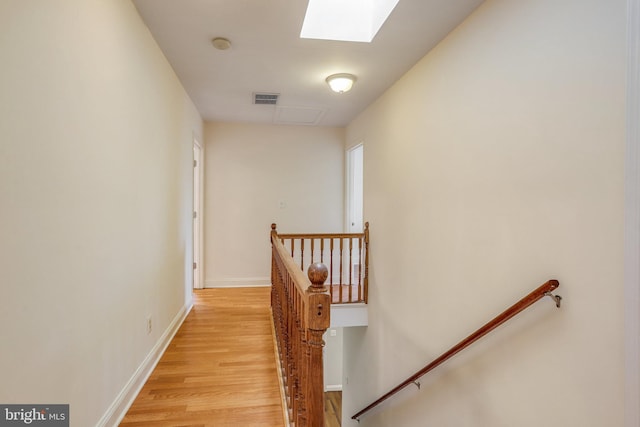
(317, 320)
(273, 235)
(366, 262)
(274, 277)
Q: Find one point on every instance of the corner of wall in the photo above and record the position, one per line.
(632, 220)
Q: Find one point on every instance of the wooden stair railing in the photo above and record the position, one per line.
(300, 309)
(345, 254)
(537, 294)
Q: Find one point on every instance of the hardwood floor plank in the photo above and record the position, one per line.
(219, 370)
(332, 408)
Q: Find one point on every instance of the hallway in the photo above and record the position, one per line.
(220, 368)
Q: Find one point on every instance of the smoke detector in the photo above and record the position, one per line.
(221, 43)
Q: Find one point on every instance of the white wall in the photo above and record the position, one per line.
(332, 358)
(256, 175)
(95, 190)
(494, 165)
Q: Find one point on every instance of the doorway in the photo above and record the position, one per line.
(355, 187)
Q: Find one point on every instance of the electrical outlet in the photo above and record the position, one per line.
(149, 325)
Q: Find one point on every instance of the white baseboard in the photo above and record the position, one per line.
(121, 404)
(337, 387)
(242, 282)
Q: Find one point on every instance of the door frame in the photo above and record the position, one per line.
(198, 209)
(632, 220)
(349, 186)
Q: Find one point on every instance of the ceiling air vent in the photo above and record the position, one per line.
(265, 98)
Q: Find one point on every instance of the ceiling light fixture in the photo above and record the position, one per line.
(221, 43)
(341, 83)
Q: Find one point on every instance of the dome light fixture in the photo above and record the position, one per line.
(341, 83)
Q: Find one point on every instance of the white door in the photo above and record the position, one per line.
(197, 215)
(355, 195)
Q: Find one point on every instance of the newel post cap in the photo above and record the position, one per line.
(318, 273)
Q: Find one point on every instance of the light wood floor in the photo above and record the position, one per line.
(219, 370)
(332, 408)
(340, 294)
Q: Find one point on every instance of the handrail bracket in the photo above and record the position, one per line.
(556, 298)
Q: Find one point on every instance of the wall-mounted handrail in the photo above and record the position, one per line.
(539, 293)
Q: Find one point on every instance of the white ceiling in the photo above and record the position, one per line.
(267, 55)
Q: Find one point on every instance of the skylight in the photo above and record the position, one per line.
(347, 20)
